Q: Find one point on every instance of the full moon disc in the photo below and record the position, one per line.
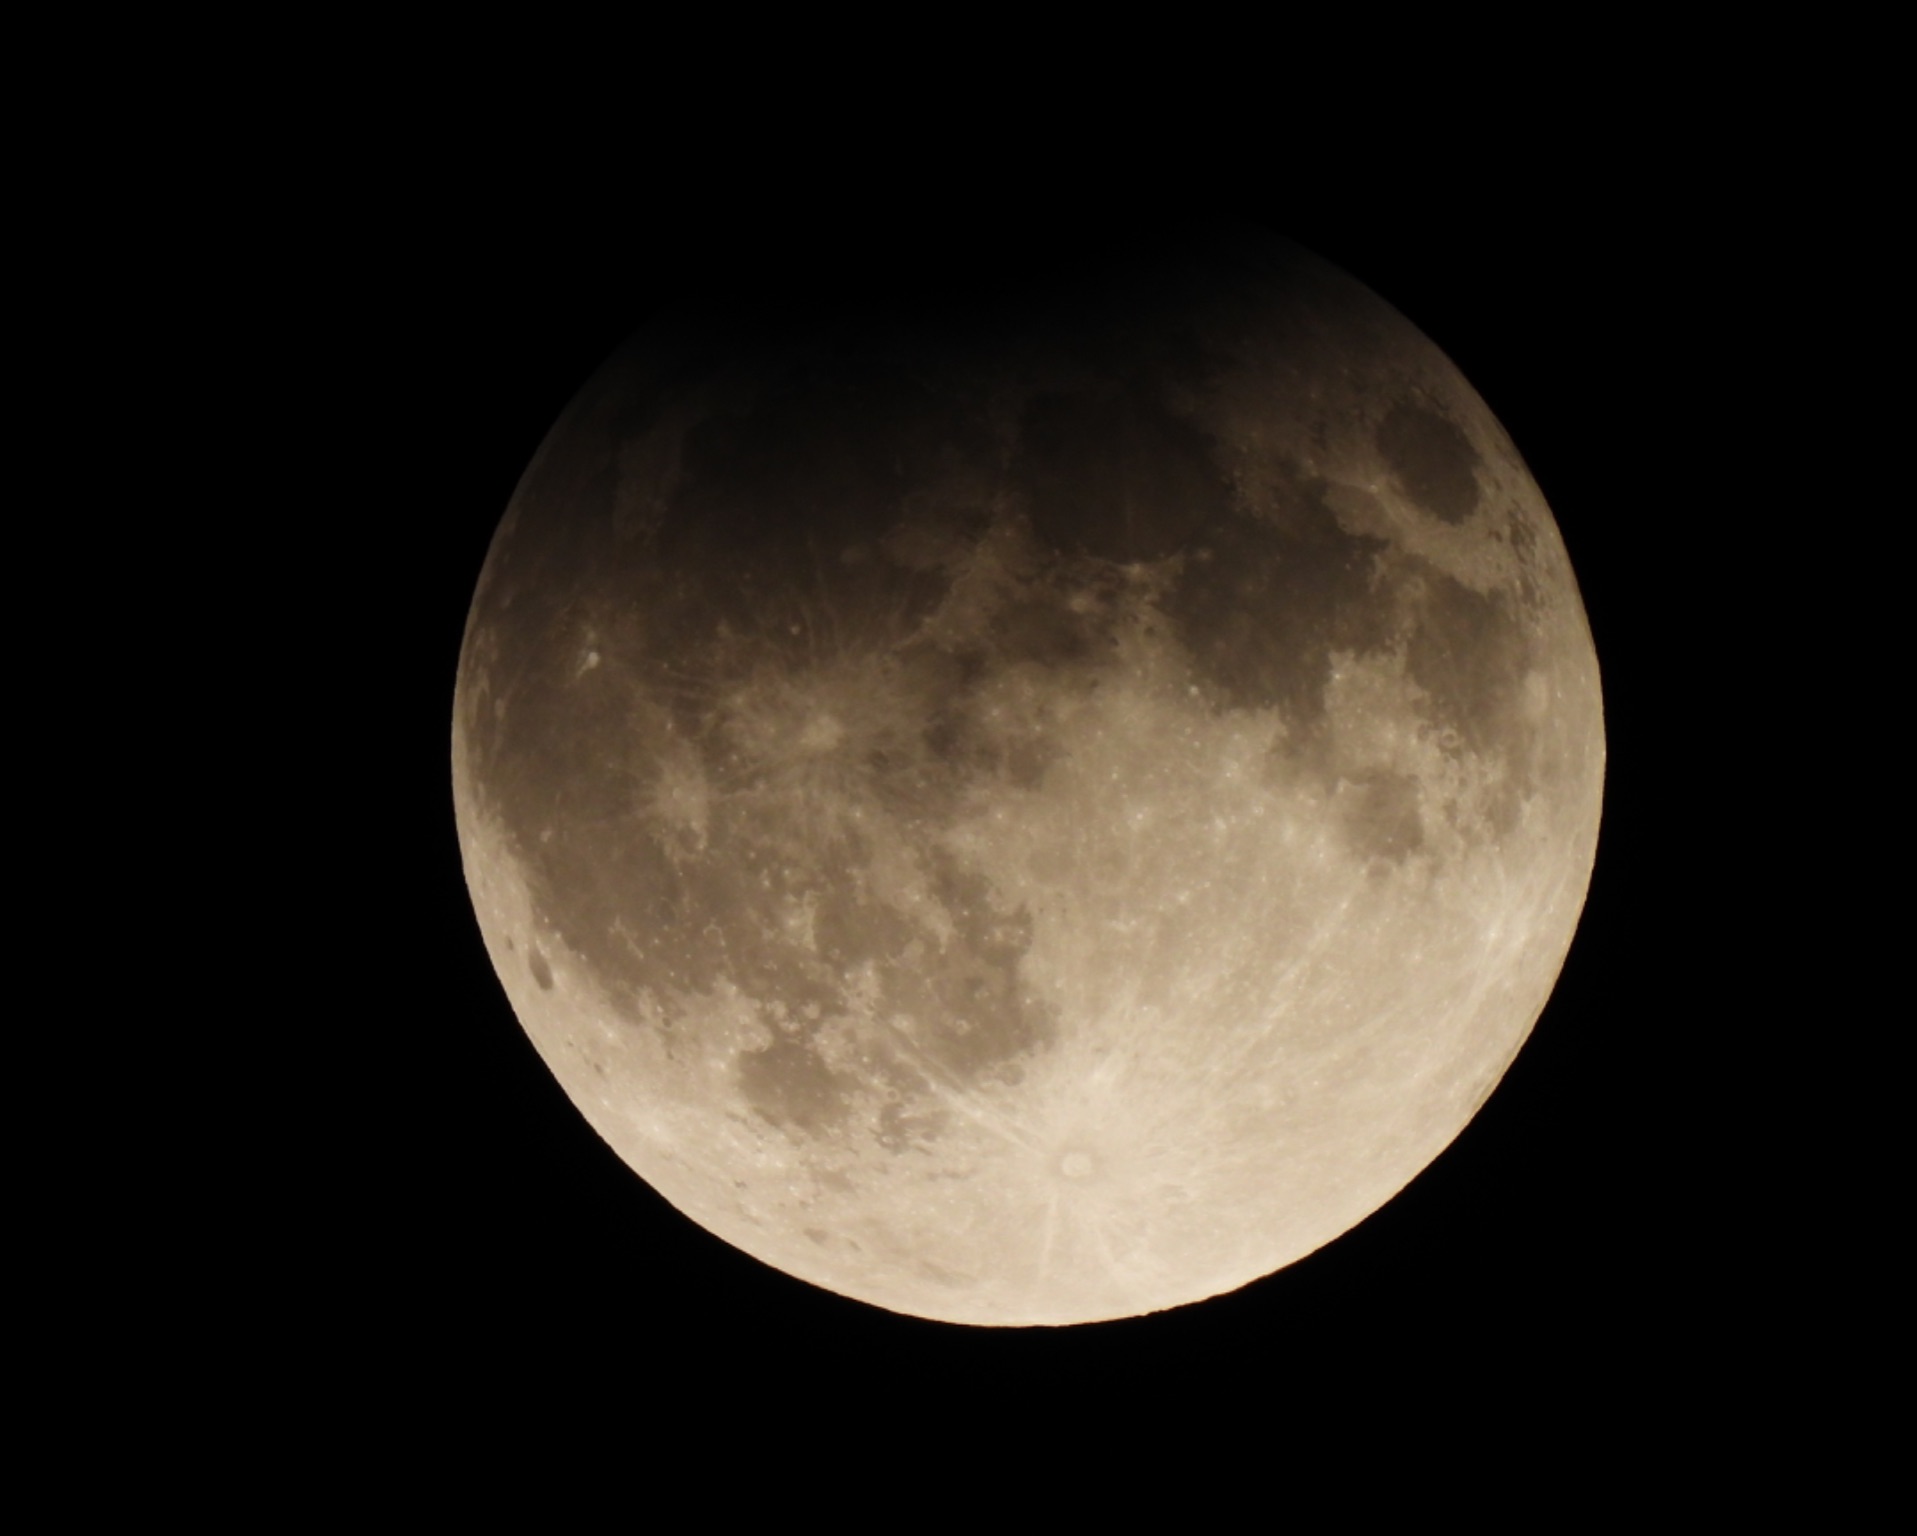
(1034, 804)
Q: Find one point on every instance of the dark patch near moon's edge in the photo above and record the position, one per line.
(1432, 459)
(713, 681)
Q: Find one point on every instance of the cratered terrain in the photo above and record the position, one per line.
(1037, 805)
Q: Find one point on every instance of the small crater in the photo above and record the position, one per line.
(541, 972)
(1077, 1164)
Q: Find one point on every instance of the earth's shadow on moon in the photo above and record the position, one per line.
(1419, 447)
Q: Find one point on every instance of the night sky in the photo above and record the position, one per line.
(479, 1224)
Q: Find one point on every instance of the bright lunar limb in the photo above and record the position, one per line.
(1037, 809)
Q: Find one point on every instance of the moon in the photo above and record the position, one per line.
(1037, 803)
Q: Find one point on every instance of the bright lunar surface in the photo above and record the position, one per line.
(1033, 809)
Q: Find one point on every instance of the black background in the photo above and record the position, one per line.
(467, 1227)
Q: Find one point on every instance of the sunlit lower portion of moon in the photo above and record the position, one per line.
(1035, 821)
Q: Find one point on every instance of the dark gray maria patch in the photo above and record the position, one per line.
(1116, 475)
(1381, 815)
(790, 1084)
(1433, 460)
(1471, 652)
(1264, 600)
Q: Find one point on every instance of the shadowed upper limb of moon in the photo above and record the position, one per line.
(1031, 821)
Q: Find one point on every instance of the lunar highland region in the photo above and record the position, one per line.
(1032, 813)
